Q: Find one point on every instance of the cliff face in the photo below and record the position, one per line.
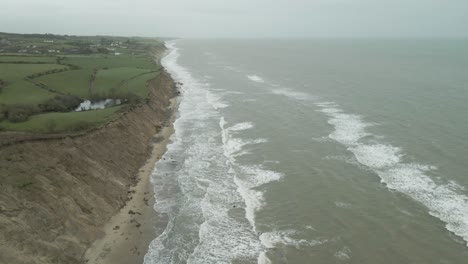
(55, 193)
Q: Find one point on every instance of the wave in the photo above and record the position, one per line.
(255, 78)
(193, 186)
(343, 254)
(286, 238)
(291, 94)
(209, 198)
(444, 201)
(246, 177)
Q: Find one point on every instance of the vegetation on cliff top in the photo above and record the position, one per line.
(43, 78)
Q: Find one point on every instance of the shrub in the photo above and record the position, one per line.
(98, 97)
(103, 50)
(19, 112)
(127, 97)
(60, 103)
(132, 99)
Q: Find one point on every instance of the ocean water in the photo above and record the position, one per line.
(316, 151)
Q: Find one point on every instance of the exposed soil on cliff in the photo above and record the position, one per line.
(57, 191)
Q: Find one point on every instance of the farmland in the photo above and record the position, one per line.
(44, 77)
(62, 122)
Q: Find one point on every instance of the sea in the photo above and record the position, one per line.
(315, 151)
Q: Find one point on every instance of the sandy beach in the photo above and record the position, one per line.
(127, 235)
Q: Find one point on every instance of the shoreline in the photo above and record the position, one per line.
(127, 235)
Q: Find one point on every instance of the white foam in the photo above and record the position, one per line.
(444, 201)
(343, 254)
(241, 126)
(216, 101)
(290, 93)
(246, 177)
(253, 201)
(286, 238)
(254, 176)
(234, 92)
(231, 68)
(211, 180)
(234, 147)
(263, 259)
(342, 204)
(377, 155)
(258, 176)
(197, 191)
(255, 78)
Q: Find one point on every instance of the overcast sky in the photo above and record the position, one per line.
(238, 18)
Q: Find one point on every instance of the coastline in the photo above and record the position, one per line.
(127, 235)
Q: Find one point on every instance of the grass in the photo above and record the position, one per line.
(106, 80)
(138, 85)
(72, 121)
(111, 61)
(25, 93)
(75, 82)
(29, 59)
(14, 72)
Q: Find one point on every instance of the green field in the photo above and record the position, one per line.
(109, 79)
(138, 85)
(25, 93)
(74, 82)
(62, 122)
(13, 72)
(112, 61)
(29, 59)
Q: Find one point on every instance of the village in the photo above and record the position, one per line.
(58, 45)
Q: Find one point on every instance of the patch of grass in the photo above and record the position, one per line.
(112, 61)
(14, 72)
(111, 79)
(63, 122)
(29, 59)
(138, 85)
(75, 82)
(25, 93)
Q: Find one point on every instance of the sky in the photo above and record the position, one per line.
(238, 18)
